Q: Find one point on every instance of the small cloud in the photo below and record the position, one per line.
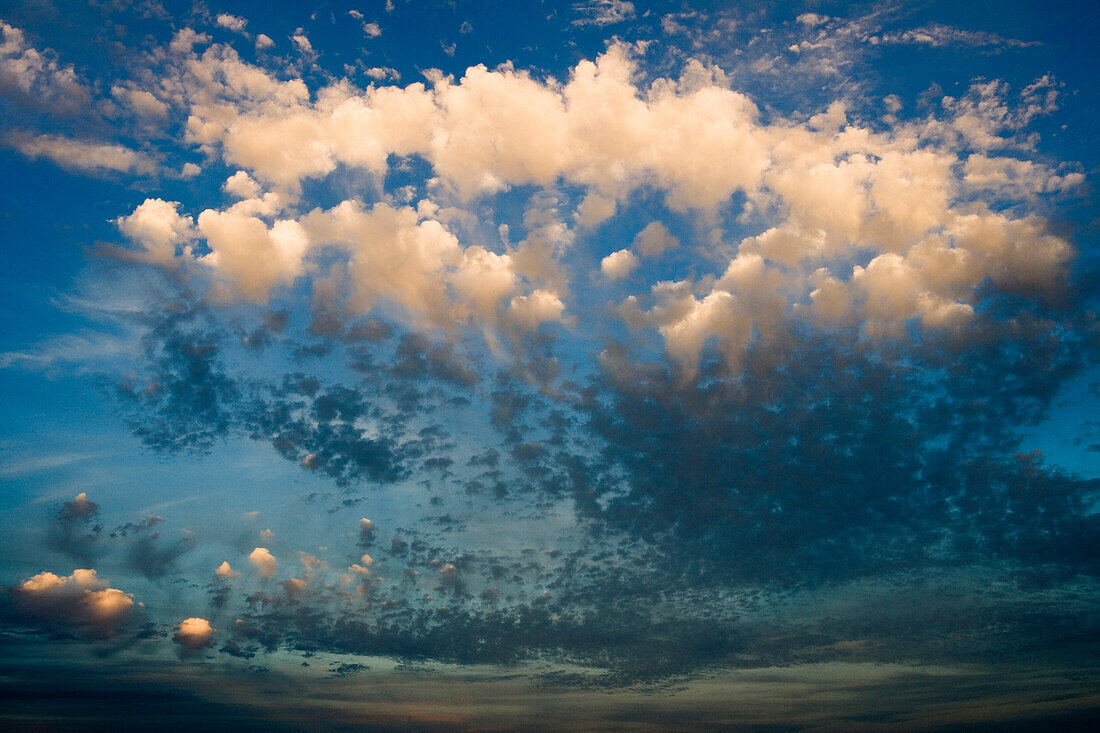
(80, 507)
(302, 42)
(603, 12)
(264, 41)
(654, 240)
(224, 571)
(381, 73)
(812, 19)
(618, 265)
(263, 561)
(231, 22)
(194, 633)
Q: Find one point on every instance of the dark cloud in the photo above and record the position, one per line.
(74, 531)
(155, 558)
(185, 396)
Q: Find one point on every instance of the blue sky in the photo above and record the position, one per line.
(547, 351)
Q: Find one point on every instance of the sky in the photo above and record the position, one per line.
(595, 365)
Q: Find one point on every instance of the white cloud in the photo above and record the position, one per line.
(158, 227)
(38, 75)
(541, 306)
(603, 12)
(839, 213)
(194, 633)
(231, 22)
(85, 157)
(263, 561)
(655, 239)
(224, 571)
(186, 39)
(241, 185)
(81, 601)
(618, 265)
(142, 103)
(938, 34)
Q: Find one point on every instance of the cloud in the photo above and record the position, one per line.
(224, 571)
(81, 602)
(654, 240)
(603, 12)
(827, 196)
(82, 156)
(231, 22)
(158, 227)
(74, 532)
(263, 561)
(618, 265)
(37, 77)
(938, 34)
(144, 104)
(194, 634)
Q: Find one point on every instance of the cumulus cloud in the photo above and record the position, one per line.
(159, 228)
(231, 22)
(225, 571)
(263, 561)
(194, 633)
(838, 189)
(654, 239)
(143, 103)
(618, 265)
(38, 77)
(81, 602)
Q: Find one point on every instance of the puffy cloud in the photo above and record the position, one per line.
(618, 265)
(186, 39)
(241, 185)
(655, 239)
(194, 633)
(263, 561)
(831, 193)
(231, 22)
(224, 571)
(37, 76)
(158, 227)
(80, 601)
(541, 306)
(251, 256)
(143, 103)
